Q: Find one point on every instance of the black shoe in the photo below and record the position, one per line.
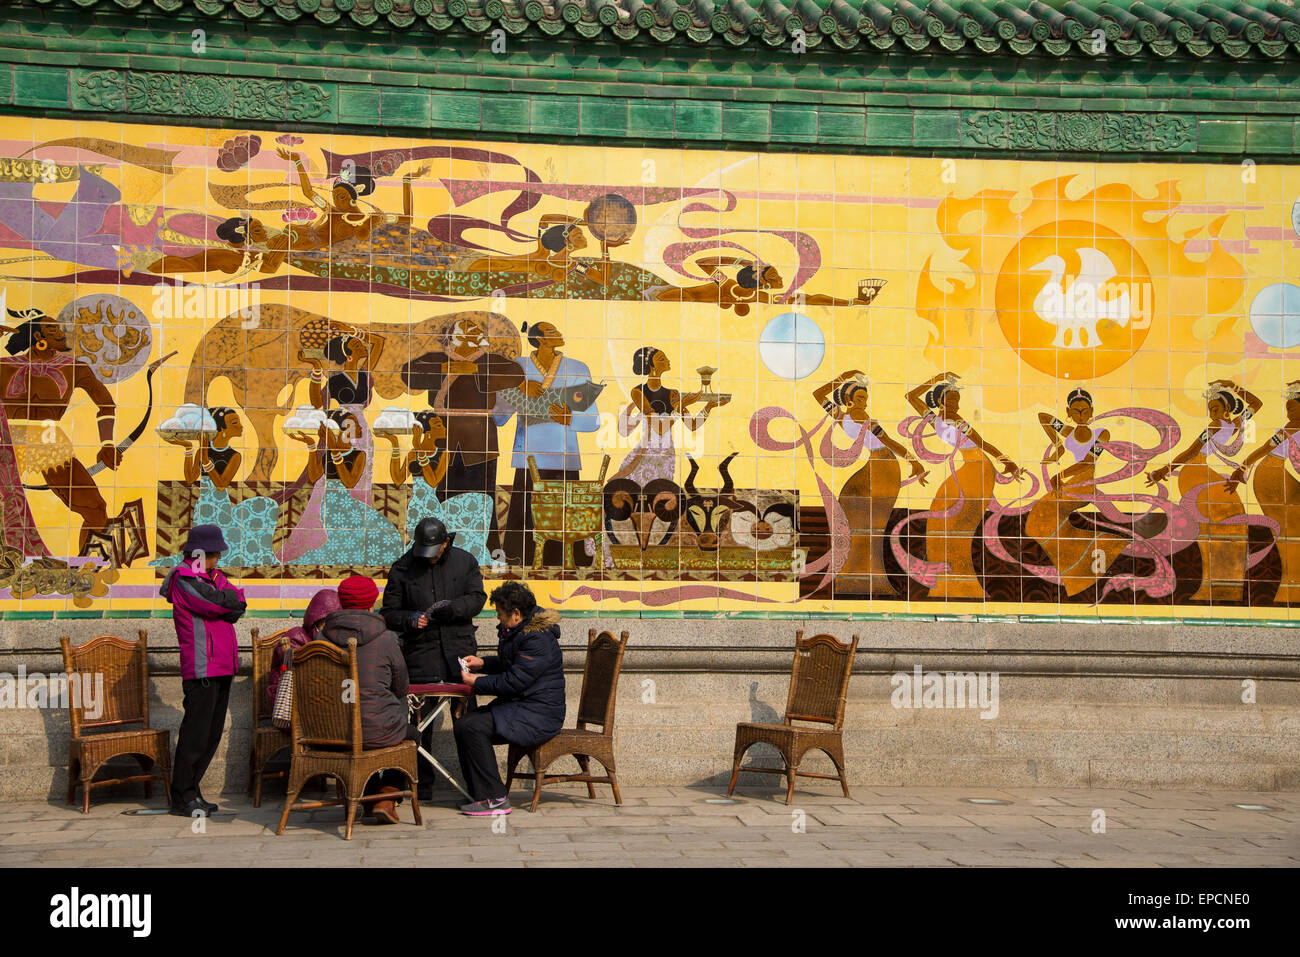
(212, 808)
(424, 792)
(194, 808)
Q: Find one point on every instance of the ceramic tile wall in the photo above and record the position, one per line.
(931, 386)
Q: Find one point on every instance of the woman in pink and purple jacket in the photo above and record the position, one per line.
(205, 607)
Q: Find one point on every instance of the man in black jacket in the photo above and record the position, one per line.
(432, 595)
(430, 600)
(527, 677)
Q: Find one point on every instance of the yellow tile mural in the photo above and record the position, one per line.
(649, 380)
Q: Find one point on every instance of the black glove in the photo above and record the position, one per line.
(437, 607)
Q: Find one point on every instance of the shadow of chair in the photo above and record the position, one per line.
(123, 666)
(819, 684)
(326, 735)
(595, 707)
(265, 739)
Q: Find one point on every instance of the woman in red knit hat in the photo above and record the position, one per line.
(381, 672)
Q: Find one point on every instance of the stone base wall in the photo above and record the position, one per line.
(1078, 706)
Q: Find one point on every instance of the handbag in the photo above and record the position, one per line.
(282, 712)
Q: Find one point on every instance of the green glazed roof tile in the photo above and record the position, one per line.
(1227, 29)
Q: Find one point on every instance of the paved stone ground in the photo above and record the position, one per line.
(676, 826)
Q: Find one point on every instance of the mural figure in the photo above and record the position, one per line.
(251, 249)
(654, 409)
(249, 527)
(1278, 491)
(354, 353)
(753, 283)
(36, 387)
(467, 514)
(355, 533)
(551, 441)
(87, 230)
(1072, 547)
(869, 495)
(1222, 537)
(462, 381)
(961, 501)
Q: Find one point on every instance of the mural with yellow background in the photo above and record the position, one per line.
(642, 379)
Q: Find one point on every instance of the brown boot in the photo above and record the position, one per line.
(386, 810)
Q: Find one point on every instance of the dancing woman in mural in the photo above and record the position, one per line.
(1278, 492)
(961, 501)
(1073, 550)
(249, 527)
(36, 387)
(467, 514)
(869, 495)
(1204, 488)
(355, 534)
(654, 408)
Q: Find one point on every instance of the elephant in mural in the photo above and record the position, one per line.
(265, 359)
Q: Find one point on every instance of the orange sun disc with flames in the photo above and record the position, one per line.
(1099, 288)
(1074, 299)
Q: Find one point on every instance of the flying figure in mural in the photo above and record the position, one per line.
(752, 283)
(251, 249)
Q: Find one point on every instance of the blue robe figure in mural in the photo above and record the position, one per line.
(552, 441)
(249, 527)
(355, 533)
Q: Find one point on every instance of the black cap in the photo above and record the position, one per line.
(429, 536)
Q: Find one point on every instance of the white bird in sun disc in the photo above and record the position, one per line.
(1075, 312)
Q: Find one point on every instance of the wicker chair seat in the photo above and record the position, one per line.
(266, 740)
(819, 683)
(595, 706)
(124, 666)
(326, 737)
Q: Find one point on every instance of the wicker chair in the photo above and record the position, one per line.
(595, 706)
(819, 684)
(266, 739)
(326, 735)
(124, 665)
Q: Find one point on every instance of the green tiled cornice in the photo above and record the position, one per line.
(1089, 29)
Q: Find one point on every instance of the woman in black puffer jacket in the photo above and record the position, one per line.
(527, 677)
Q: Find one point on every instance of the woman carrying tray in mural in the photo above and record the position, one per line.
(467, 514)
(654, 409)
(961, 501)
(869, 495)
(1205, 489)
(1073, 550)
(351, 387)
(355, 534)
(249, 527)
(1278, 492)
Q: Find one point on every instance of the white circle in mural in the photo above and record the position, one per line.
(1275, 315)
(1295, 217)
(791, 346)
